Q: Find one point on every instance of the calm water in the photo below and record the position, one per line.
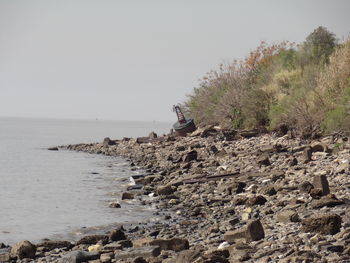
(47, 193)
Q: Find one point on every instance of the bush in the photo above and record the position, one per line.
(306, 88)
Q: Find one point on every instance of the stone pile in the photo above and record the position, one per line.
(227, 196)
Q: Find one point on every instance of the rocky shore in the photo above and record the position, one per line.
(225, 196)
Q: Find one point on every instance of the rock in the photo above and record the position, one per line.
(235, 188)
(23, 249)
(307, 154)
(256, 200)
(328, 201)
(190, 255)
(328, 224)
(166, 190)
(288, 216)
(269, 190)
(321, 182)
(175, 244)
(316, 193)
(152, 135)
(117, 235)
(112, 247)
(127, 195)
(301, 256)
(53, 149)
(190, 156)
(114, 205)
(106, 257)
(293, 161)
(93, 239)
(145, 252)
(52, 244)
(107, 141)
(305, 187)
(79, 257)
(319, 147)
(139, 260)
(254, 231)
(335, 248)
(95, 248)
(5, 254)
(234, 235)
(264, 160)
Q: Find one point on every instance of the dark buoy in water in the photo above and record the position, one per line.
(182, 126)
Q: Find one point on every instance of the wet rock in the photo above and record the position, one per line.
(79, 257)
(321, 182)
(93, 239)
(127, 196)
(53, 149)
(114, 205)
(52, 244)
(145, 252)
(288, 216)
(23, 249)
(328, 224)
(116, 235)
(152, 135)
(107, 141)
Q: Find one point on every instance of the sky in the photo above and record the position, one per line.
(133, 60)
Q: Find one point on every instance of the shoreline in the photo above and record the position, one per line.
(231, 197)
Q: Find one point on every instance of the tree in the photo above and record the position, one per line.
(318, 46)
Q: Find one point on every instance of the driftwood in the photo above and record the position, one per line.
(209, 178)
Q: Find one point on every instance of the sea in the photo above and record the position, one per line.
(64, 194)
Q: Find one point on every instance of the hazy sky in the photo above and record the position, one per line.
(132, 60)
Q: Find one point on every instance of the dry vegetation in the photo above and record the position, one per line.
(304, 87)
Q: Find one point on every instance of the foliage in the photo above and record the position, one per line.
(306, 88)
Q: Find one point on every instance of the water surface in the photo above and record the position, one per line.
(45, 193)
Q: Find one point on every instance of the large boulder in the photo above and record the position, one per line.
(328, 224)
(23, 249)
(254, 231)
(321, 182)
